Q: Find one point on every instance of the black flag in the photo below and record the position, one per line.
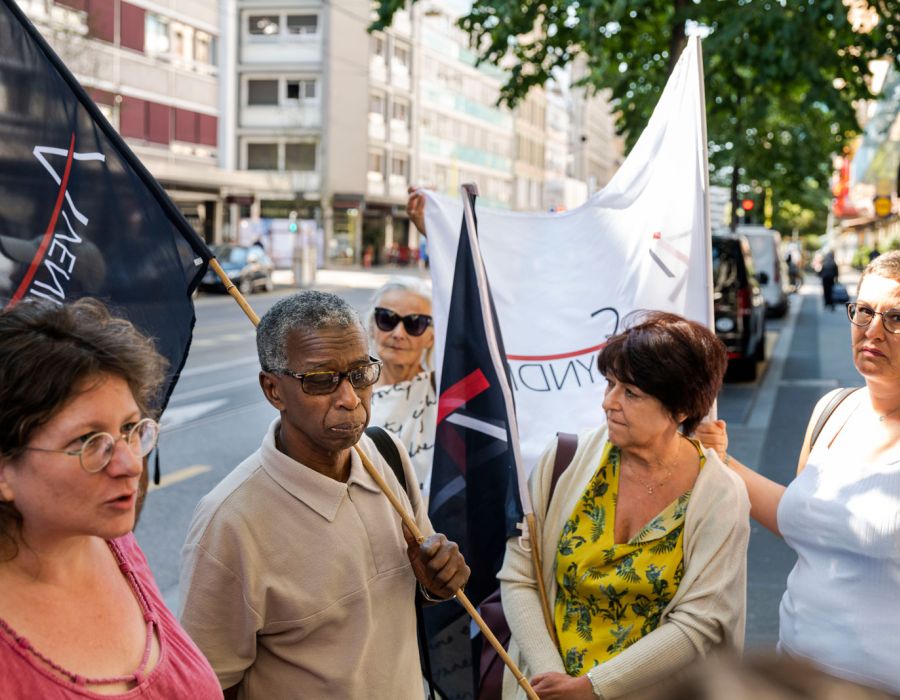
(474, 486)
(79, 214)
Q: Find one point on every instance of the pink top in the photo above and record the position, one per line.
(181, 672)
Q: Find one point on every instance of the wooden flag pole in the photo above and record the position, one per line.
(534, 540)
(460, 596)
(234, 291)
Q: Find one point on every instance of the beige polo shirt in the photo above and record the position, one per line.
(298, 586)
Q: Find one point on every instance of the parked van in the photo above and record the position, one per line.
(771, 269)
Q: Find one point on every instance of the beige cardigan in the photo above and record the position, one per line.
(707, 610)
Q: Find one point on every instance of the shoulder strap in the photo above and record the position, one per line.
(566, 445)
(829, 409)
(388, 449)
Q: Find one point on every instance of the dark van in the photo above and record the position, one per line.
(740, 309)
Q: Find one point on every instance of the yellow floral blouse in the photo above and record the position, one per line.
(610, 595)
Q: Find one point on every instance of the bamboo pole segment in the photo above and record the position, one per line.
(234, 292)
(534, 539)
(460, 596)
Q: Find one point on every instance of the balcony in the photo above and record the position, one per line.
(378, 69)
(397, 186)
(400, 75)
(377, 131)
(375, 184)
(399, 132)
(299, 115)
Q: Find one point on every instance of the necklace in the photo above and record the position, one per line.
(651, 486)
(883, 417)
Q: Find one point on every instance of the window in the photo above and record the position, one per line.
(299, 156)
(400, 111)
(262, 156)
(180, 42)
(302, 24)
(398, 166)
(204, 48)
(376, 163)
(156, 37)
(262, 92)
(301, 89)
(263, 25)
(401, 55)
(378, 48)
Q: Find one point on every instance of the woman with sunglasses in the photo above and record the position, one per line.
(404, 401)
(80, 613)
(841, 514)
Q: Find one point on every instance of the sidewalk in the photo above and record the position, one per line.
(353, 277)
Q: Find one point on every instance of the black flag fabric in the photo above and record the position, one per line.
(474, 486)
(79, 214)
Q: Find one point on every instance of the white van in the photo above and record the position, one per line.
(771, 269)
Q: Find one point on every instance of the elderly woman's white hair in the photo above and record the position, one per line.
(400, 283)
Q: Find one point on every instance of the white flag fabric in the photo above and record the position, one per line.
(563, 282)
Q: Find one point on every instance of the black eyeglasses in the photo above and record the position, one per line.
(862, 315)
(415, 324)
(97, 450)
(326, 382)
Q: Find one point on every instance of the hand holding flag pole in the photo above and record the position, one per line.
(460, 595)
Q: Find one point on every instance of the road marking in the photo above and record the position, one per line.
(180, 475)
(196, 393)
(228, 364)
(179, 415)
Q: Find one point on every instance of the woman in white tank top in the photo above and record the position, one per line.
(841, 514)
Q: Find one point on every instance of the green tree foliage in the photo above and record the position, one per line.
(782, 76)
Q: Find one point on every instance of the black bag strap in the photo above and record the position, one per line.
(566, 445)
(388, 449)
(826, 413)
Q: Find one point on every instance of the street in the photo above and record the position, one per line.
(217, 416)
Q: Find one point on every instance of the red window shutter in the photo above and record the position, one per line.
(132, 33)
(102, 19)
(208, 130)
(158, 120)
(74, 4)
(132, 118)
(102, 97)
(186, 126)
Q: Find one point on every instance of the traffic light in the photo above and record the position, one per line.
(747, 204)
(292, 222)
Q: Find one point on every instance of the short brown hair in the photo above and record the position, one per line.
(885, 265)
(48, 351)
(679, 362)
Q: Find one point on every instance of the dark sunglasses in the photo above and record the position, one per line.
(326, 382)
(415, 324)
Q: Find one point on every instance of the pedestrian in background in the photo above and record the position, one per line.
(643, 539)
(840, 514)
(80, 613)
(828, 274)
(404, 401)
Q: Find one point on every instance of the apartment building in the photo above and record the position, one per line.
(152, 68)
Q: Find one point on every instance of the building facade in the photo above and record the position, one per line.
(152, 68)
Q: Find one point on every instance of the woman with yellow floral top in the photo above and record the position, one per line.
(643, 538)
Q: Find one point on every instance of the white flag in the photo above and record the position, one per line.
(563, 282)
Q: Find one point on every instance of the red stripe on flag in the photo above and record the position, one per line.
(561, 356)
(465, 389)
(51, 227)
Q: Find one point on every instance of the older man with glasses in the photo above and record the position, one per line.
(297, 580)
